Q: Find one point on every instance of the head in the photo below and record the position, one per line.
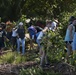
(71, 19)
(20, 25)
(74, 22)
(3, 25)
(48, 23)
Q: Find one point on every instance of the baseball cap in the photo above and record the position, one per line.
(21, 23)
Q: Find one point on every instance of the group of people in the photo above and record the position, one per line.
(50, 25)
(16, 35)
(13, 36)
(70, 37)
(17, 38)
(38, 34)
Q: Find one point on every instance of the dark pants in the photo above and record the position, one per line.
(1, 44)
(14, 42)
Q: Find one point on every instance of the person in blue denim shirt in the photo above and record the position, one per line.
(21, 38)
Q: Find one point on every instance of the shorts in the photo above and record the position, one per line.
(68, 42)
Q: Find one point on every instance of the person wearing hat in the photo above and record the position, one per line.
(21, 38)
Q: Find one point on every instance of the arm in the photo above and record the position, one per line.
(17, 33)
(45, 29)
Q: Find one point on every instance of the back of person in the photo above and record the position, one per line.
(32, 32)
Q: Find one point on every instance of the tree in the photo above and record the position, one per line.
(13, 9)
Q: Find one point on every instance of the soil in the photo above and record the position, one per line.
(61, 67)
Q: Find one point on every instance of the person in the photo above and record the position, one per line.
(54, 24)
(3, 25)
(38, 28)
(32, 31)
(69, 38)
(9, 26)
(21, 38)
(42, 33)
(2, 37)
(74, 39)
(43, 53)
(14, 38)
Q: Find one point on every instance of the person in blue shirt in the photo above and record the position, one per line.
(32, 32)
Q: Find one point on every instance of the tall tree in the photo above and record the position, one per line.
(13, 9)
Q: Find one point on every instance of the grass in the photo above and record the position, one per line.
(16, 58)
(12, 58)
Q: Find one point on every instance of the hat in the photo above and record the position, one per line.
(20, 23)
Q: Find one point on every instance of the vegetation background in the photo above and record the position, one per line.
(20, 10)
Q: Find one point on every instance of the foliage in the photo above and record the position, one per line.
(20, 10)
(14, 9)
(36, 71)
(54, 44)
(12, 58)
(64, 20)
